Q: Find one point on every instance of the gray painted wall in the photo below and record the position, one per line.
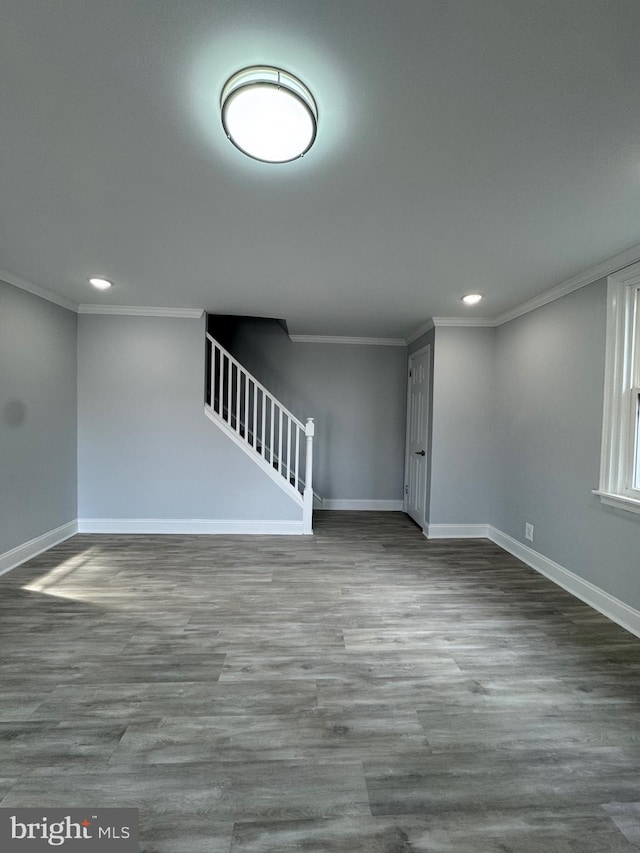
(550, 372)
(37, 416)
(145, 447)
(357, 396)
(463, 483)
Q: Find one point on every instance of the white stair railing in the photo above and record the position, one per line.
(262, 426)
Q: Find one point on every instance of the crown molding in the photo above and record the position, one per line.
(141, 311)
(466, 322)
(614, 264)
(629, 275)
(420, 331)
(582, 279)
(483, 322)
(333, 339)
(42, 292)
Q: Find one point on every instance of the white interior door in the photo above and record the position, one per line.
(415, 475)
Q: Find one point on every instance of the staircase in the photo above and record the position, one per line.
(268, 432)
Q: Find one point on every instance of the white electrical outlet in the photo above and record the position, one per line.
(528, 531)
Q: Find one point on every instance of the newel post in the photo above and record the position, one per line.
(307, 514)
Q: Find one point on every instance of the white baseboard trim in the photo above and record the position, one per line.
(591, 594)
(189, 526)
(456, 531)
(16, 556)
(373, 505)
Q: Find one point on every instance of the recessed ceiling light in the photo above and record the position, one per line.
(100, 283)
(472, 298)
(269, 114)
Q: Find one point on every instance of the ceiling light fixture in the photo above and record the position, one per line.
(472, 298)
(101, 283)
(269, 114)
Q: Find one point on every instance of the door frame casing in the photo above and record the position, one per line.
(427, 348)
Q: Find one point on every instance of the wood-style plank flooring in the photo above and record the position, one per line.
(361, 691)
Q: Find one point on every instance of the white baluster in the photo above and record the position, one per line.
(272, 430)
(280, 440)
(246, 407)
(212, 373)
(255, 416)
(237, 396)
(297, 457)
(221, 381)
(264, 424)
(229, 376)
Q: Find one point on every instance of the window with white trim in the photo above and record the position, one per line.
(620, 461)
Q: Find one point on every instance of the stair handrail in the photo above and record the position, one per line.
(259, 385)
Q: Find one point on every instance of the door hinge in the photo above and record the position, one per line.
(410, 372)
(406, 489)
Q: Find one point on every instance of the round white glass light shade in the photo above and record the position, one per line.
(472, 298)
(267, 119)
(100, 283)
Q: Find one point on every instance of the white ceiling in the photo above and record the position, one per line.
(489, 145)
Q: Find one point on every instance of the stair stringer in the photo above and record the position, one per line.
(272, 472)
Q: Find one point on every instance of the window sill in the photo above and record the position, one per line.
(619, 501)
